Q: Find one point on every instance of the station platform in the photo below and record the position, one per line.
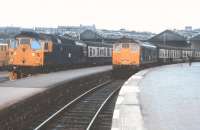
(160, 98)
(12, 92)
(3, 76)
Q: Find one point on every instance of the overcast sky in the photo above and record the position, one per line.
(139, 15)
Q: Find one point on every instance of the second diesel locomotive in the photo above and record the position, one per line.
(38, 52)
(130, 54)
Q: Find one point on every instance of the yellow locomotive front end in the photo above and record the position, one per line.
(27, 55)
(28, 52)
(126, 55)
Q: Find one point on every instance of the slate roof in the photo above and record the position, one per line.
(167, 35)
(195, 38)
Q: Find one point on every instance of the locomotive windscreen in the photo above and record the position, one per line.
(35, 45)
(24, 41)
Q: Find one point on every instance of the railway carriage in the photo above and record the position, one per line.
(196, 55)
(169, 54)
(187, 53)
(99, 53)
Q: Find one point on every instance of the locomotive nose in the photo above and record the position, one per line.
(24, 55)
(125, 57)
(23, 49)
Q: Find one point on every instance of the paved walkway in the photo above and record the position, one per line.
(160, 98)
(14, 91)
(170, 98)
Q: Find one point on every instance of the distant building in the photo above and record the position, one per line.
(188, 28)
(90, 35)
(46, 30)
(10, 29)
(169, 38)
(64, 29)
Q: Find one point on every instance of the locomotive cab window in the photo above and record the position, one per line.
(35, 45)
(24, 41)
(125, 45)
(117, 47)
(14, 43)
(134, 47)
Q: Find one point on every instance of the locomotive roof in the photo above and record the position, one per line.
(147, 44)
(43, 36)
(126, 40)
(140, 43)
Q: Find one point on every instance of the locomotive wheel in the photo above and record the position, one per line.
(13, 75)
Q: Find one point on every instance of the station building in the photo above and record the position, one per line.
(169, 38)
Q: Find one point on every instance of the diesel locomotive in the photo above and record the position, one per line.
(129, 54)
(38, 52)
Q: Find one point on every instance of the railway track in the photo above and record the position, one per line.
(87, 111)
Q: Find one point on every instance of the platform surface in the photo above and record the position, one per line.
(160, 98)
(15, 91)
(3, 76)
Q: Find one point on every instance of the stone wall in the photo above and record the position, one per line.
(30, 112)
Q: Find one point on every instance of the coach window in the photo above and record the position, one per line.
(101, 52)
(105, 51)
(93, 52)
(90, 51)
(97, 51)
(108, 52)
(163, 53)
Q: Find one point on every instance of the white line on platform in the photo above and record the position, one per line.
(129, 89)
(136, 77)
(119, 100)
(116, 114)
